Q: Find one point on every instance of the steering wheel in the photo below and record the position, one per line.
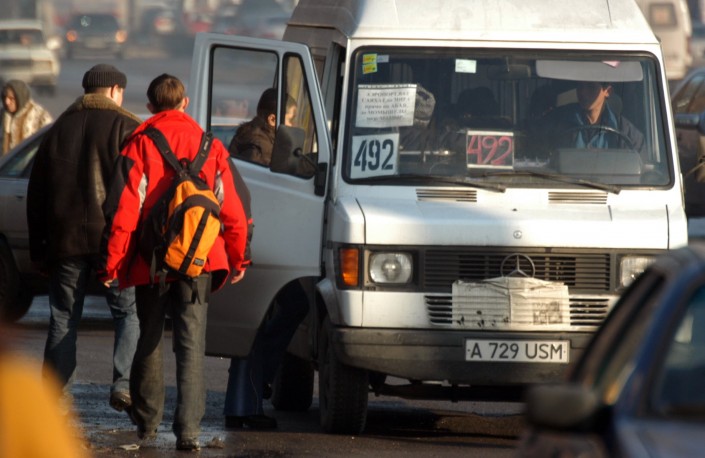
(600, 128)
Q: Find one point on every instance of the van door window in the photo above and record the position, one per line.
(299, 115)
(240, 77)
(247, 107)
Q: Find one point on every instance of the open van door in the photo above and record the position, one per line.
(228, 76)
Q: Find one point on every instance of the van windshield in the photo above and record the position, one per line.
(510, 118)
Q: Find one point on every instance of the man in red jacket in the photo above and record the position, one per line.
(141, 178)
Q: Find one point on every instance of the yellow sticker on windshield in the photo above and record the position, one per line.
(369, 63)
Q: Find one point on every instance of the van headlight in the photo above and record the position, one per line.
(631, 267)
(391, 268)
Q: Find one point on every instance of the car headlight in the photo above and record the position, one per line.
(391, 268)
(631, 267)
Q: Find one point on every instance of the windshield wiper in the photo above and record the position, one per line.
(436, 179)
(560, 178)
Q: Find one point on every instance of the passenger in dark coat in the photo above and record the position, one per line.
(67, 188)
(254, 139)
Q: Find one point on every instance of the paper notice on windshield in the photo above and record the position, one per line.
(385, 105)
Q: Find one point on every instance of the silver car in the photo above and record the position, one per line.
(24, 55)
(19, 280)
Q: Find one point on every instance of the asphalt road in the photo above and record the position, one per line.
(396, 427)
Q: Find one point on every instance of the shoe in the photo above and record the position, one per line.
(147, 435)
(188, 444)
(251, 422)
(267, 391)
(120, 400)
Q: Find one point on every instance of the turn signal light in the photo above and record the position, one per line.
(349, 266)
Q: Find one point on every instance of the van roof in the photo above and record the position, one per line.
(583, 21)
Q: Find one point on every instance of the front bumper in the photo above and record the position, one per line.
(439, 355)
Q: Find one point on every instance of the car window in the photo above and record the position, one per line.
(697, 104)
(680, 389)
(24, 37)
(19, 165)
(682, 98)
(607, 362)
(97, 22)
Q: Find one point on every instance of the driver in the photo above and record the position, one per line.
(591, 122)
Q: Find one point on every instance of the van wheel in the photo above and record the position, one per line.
(342, 390)
(14, 302)
(292, 389)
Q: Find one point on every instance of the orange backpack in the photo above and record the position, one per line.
(182, 227)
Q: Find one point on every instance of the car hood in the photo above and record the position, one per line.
(416, 222)
(19, 52)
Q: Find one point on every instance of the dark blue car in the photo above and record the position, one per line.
(639, 388)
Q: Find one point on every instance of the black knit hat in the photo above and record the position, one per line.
(104, 75)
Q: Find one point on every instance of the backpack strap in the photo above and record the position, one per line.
(203, 151)
(163, 146)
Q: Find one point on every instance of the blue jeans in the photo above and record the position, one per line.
(67, 291)
(247, 377)
(188, 314)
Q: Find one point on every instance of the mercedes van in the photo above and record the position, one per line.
(440, 204)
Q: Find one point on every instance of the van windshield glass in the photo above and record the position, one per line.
(513, 118)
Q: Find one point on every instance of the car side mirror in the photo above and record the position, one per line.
(691, 121)
(565, 407)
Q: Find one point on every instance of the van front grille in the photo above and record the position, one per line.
(587, 272)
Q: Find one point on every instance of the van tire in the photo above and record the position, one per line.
(292, 389)
(342, 390)
(14, 300)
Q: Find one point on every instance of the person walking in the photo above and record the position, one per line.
(66, 192)
(21, 115)
(250, 379)
(141, 179)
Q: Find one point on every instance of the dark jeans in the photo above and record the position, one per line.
(188, 315)
(67, 290)
(246, 377)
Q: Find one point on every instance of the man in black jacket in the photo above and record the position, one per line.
(66, 192)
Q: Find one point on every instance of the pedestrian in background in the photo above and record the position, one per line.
(21, 115)
(65, 197)
(141, 179)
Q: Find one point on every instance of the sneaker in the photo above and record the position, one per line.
(188, 444)
(120, 400)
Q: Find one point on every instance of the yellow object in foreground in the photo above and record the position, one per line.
(31, 421)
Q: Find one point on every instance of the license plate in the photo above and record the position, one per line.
(518, 351)
(95, 43)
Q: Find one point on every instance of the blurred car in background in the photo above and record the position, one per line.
(637, 390)
(688, 104)
(697, 44)
(24, 55)
(255, 18)
(94, 33)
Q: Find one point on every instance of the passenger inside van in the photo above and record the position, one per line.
(589, 123)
